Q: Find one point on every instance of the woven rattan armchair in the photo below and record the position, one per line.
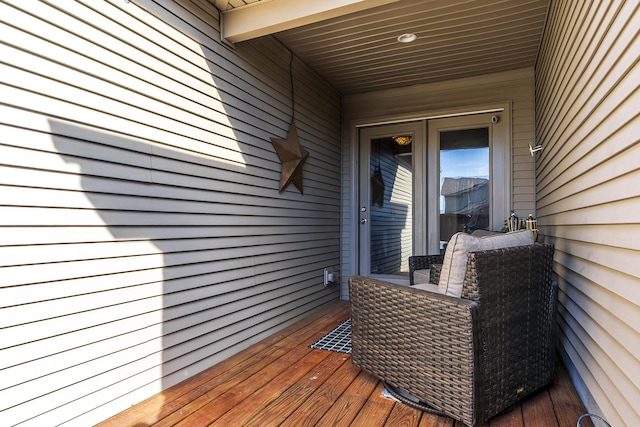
(471, 357)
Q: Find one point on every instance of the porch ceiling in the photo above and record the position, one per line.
(359, 52)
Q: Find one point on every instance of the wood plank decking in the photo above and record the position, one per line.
(280, 381)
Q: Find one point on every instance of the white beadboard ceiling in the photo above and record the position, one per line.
(358, 52)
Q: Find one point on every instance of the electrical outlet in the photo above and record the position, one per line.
(328, 276)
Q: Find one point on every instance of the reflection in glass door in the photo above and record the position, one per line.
(464, 181)
(390, 215)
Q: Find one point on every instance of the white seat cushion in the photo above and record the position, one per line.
(455, 258)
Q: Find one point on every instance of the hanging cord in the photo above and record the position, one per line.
(293, 101)
(293, 104)
(592, 415)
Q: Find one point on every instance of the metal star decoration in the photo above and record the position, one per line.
(292, 156)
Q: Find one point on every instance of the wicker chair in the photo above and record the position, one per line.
(471, 357)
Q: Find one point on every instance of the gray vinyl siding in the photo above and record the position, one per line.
(588, 192)
(516, 87)
(142, 234)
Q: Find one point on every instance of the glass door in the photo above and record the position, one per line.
(386, 210)
(471, 181)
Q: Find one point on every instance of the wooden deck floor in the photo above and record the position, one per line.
(280, 381)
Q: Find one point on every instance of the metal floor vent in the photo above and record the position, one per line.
(339, 339)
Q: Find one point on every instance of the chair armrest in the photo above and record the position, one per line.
(419, 341)
(422, 262)
(517, 300)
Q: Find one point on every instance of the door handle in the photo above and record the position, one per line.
(363, 221)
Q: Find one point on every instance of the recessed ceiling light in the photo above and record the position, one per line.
(407, 38)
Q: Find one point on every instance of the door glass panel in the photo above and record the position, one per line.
(464, 181)
(390, 217)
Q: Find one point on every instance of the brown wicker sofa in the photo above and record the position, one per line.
(470, 357)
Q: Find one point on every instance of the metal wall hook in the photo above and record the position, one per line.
(534, 149)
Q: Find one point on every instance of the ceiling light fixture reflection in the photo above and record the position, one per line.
(407, 38)
(403, 140)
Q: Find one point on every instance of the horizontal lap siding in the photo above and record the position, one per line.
(433, 99)
(142, 234)
(588, 183)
